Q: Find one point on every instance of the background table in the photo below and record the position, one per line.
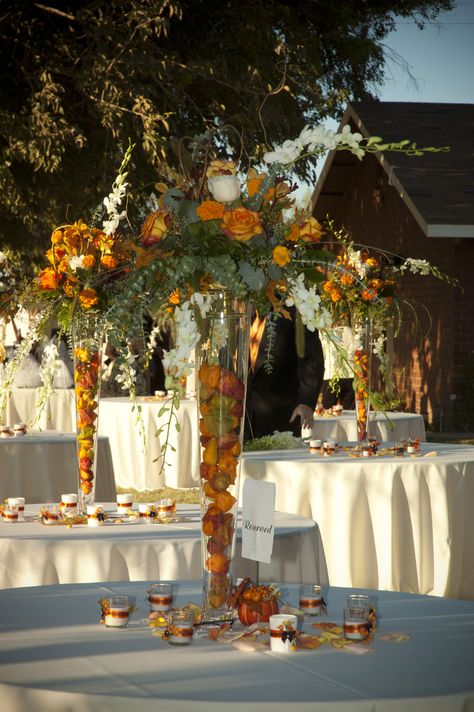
(58, 412)
(55, 656)
(42, 466)
(32, 554)
(404, 524)
(385, 427)
(137, 466)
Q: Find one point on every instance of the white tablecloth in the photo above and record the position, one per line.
(42, 466)
(404, 524)
(385, 427)
(56, 657)
(137, 466)
(58, 412)
(33, 554)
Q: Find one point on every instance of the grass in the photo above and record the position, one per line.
(182, 496)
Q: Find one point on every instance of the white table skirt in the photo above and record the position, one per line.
(403, 524)
(55, 657)
(58, 412)
(42, 466)
(385, 427)
(32, 554)
(137, 462)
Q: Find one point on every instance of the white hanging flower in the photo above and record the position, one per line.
(112, 203)
(416, 266)
(50, 366)
(308, 304)
(76, 262)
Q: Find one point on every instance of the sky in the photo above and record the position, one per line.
(440, 58)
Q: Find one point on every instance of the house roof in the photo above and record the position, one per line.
(438, 188)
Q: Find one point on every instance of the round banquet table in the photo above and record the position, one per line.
(57, 414)
(399, 523)
(42, 466)
(55, 656)
(384, 426)
(32, 553)
(136, 458)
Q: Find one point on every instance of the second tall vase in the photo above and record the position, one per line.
(222, 363)
(87, 347)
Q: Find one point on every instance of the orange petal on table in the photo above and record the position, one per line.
(310, 642)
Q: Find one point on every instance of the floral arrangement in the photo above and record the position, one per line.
(222, 225)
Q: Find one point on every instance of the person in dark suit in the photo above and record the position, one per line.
(285, 398)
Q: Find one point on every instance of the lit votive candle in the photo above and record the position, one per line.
(330, 448)
(124, 503)
(50, 515)
(180, 627)
(95, 515)
(315, 445)
(356, 623)
(145, 512)
(362, 600)
(160, 394)
(283, 629)
(117, 611)
(5, 431)
(19, 429)
(17, 503)
(166, 509)
(160, 597)
(10, 515)
(411, 450)
(68, 504)
(311, 599)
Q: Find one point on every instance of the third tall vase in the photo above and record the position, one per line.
(222, 362)
(87, 346)
(362, 372)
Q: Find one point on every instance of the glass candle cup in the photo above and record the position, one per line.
(10, 515)
(283, 628)
(51, 515)
(95, 515)
(356, 624)
(311, 599)
(315, 445)
(145, 512)
(180, 629)
(360, 600)
(19, 429)
(160, 597)
(117, 611)
(68, 504)
(166, 509)
(124, 503)
(17, 503)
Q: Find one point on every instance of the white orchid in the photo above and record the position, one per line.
(308, 304)
(415, 266)
(76, 262)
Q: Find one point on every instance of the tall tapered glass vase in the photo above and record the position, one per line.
(362, 330)
(222, 363)
(87, 351)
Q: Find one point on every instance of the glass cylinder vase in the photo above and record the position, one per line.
(222, 364)
(87, 352)
(362, 331)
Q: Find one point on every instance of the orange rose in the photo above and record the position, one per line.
(241, 224)
(69, 288)
(281, 255)
(210, 210)
(155, 227)
(174, 297)
(109, 261)
(310, 230)
(49, 279)
(88, 298)
(294, 234)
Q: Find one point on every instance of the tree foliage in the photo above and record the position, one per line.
(79, 80)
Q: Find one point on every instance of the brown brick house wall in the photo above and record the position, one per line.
(430, 348)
